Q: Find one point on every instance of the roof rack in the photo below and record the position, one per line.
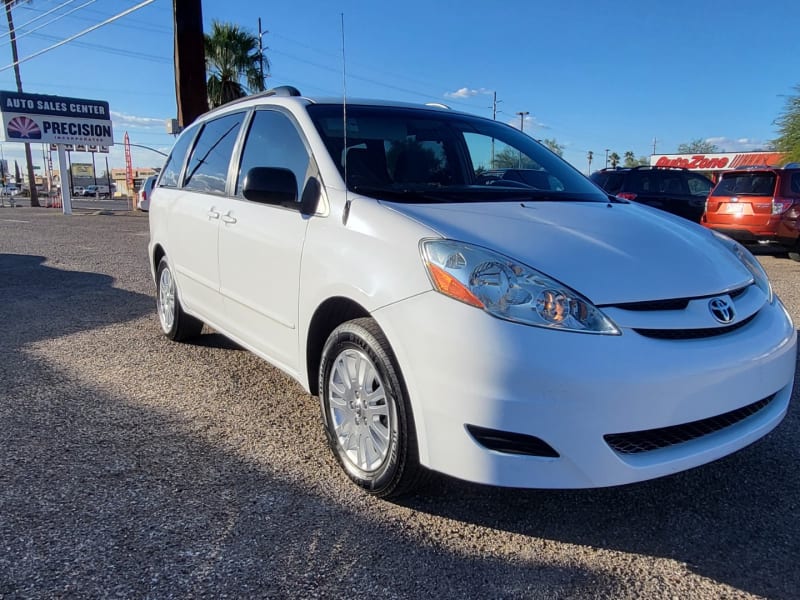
(281, 90)
(754, 167)
(657, 167)
(642, 167)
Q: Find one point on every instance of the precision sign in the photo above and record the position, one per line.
(54, 119)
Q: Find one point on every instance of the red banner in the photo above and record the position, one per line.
(128, 166)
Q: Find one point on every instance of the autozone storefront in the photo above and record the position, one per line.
(718, 162)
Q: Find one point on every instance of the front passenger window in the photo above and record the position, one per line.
(273, 141)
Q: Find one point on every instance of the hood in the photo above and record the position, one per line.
(610, 253)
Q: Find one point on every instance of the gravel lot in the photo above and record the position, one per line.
(131, 466)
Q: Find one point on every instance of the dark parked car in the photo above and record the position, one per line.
(678, 191)
(525, 178)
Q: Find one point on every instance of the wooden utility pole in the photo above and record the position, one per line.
(28, 158)
(190, 61)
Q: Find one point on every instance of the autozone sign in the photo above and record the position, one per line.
(54, 119)
(723, 161)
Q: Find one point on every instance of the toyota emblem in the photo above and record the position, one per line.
(721, 309)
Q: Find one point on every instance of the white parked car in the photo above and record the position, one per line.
(143, 195)
(530, 334)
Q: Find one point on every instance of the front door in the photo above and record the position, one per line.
(260, 245)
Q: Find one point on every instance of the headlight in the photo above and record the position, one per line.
(750, 262)
(509, 290)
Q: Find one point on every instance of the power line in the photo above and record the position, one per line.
(54, 19)
(56, 87)
(42, 16)
(367, 79)
(111, 49)
(332, 55)
(79, 34)
(128, 24)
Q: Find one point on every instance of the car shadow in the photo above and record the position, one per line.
(105, 489)
(211, 339)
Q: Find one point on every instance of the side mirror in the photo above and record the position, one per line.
(271, 186)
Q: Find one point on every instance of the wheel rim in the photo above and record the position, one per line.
(359, 410)
(166, 300)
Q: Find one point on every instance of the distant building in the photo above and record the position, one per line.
(719, 161)
(118, 179)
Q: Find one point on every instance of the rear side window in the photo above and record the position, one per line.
(600, 179)
(746, 184)
(656, 182)
(207, 170)
(170, 175)
(791, 186)
(614, 183)
(609, 181)
(698, 186)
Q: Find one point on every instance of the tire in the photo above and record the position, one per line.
(176, 324)
(374, 441)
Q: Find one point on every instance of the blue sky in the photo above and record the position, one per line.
(592, 75)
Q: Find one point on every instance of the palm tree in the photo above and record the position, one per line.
(232, 56)
(614, 159)
(9, 4)
(630, 159)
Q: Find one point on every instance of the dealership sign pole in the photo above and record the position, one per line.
(56, 120)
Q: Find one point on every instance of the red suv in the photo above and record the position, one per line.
(757, 204)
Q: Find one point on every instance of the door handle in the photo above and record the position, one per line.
(228, 219)
(212, 213)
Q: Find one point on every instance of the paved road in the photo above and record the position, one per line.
(134, 467)
(78, 203)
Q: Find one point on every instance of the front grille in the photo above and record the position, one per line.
(672, 303)
(692, 334)
(652, 439)
(511, 443)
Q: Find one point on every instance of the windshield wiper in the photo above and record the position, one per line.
(471, 193)
(400, 194)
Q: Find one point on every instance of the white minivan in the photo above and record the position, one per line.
(532, 333)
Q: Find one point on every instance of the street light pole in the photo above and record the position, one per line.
(522, 114)
(260, 52)
(607, 149)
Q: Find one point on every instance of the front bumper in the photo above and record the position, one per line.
(463, 367)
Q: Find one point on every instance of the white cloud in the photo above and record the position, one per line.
(738, 145)
(125, 120)
(465, 92)
(531, 123)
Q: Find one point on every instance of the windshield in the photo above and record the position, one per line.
(418, 155)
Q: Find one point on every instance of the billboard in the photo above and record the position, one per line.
(719, 161)
(82, 170)
(55, 119)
